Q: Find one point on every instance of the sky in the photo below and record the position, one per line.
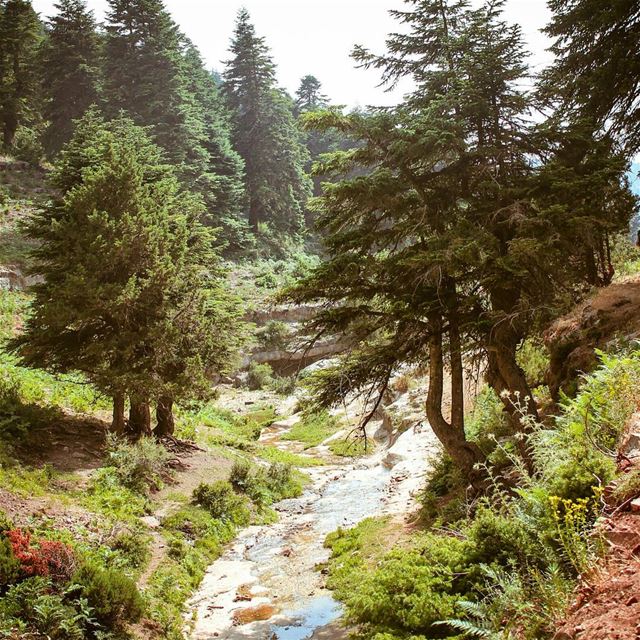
(316, 37)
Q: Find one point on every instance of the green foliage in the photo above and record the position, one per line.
(274, 335)
(113, 597)
(20, 37)
(533, 358)
(259, 376)
(142, 260)
(265, 486)
(506, 564)
(284, 385)
(139, 466)
(314, 429)
(220, 500)
(265, 135)
(133, 547)
(105, 495)
(9, 565)
(352, 446)
(272, 454)
(195, 540)
(27, 145)
(30, 608)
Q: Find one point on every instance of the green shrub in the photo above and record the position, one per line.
(113, 596)
(265, 486)
(220, 500)
(139, 466)
(284, 385)
(133, 547)
(30, 609)
(259, 376)
(27, 145)
(275, 335)
(9, 564)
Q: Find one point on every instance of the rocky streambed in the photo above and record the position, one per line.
(267, 584)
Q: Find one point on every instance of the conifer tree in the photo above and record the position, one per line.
(596, 75)
(449, 240)
(309, 96)
(144, 76)
(132, 295)
(220, 179)
(20, 36)
(265, 134)
(70, 70)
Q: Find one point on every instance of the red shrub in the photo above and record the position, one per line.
(53, 559)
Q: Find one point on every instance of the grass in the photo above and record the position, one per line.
(314, 429)
(270, 453)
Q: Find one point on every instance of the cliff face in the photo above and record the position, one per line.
(612, 314)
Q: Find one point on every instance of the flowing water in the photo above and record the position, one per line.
(267, 585)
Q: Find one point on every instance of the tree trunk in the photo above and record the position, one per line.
(452, 436)
(139, 417)
(118, 422)
(509, 381)
(164, 416)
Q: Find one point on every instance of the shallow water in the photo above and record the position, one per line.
(277, 564)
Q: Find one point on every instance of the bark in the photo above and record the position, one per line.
(452, 436)
(139, 417)
(118, 422)
(164, 415)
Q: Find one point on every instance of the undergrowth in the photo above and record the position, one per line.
(504, 567)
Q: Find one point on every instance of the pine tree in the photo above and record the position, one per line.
(144, 76)
(309, 96)
(70, 70)
(20, 36)
(132, 297)
(450, 241)
(596, 75)
(265, 134)
(221, 178)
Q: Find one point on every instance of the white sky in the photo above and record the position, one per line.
(316, 37)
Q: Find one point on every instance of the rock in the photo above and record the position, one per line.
(635, 505)
(631, 446)
(151, 521)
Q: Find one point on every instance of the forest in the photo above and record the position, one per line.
(273, 367)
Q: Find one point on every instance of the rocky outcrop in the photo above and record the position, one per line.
(291, 361)
(13, 279)
(613, 313)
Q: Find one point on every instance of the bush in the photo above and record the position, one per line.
(27, 146)
(265, 486)
(222, 502)
(113, 597)
(284, 385)
(140, 466)
(46, 558)
(133, 546)
(274, 335)
(30, 610)
(259, 376)
(9, 565)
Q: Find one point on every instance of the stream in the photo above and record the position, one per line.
(267, 585)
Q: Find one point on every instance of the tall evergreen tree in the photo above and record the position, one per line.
(132, 296)
(309, 96)
(596, 75)
(265, 134)
(220, 179)
(20, 36)
(144, 76)
(450, 240)
(70, 70)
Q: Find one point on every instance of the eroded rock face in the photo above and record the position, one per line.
(12, 279)
(612, 314)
